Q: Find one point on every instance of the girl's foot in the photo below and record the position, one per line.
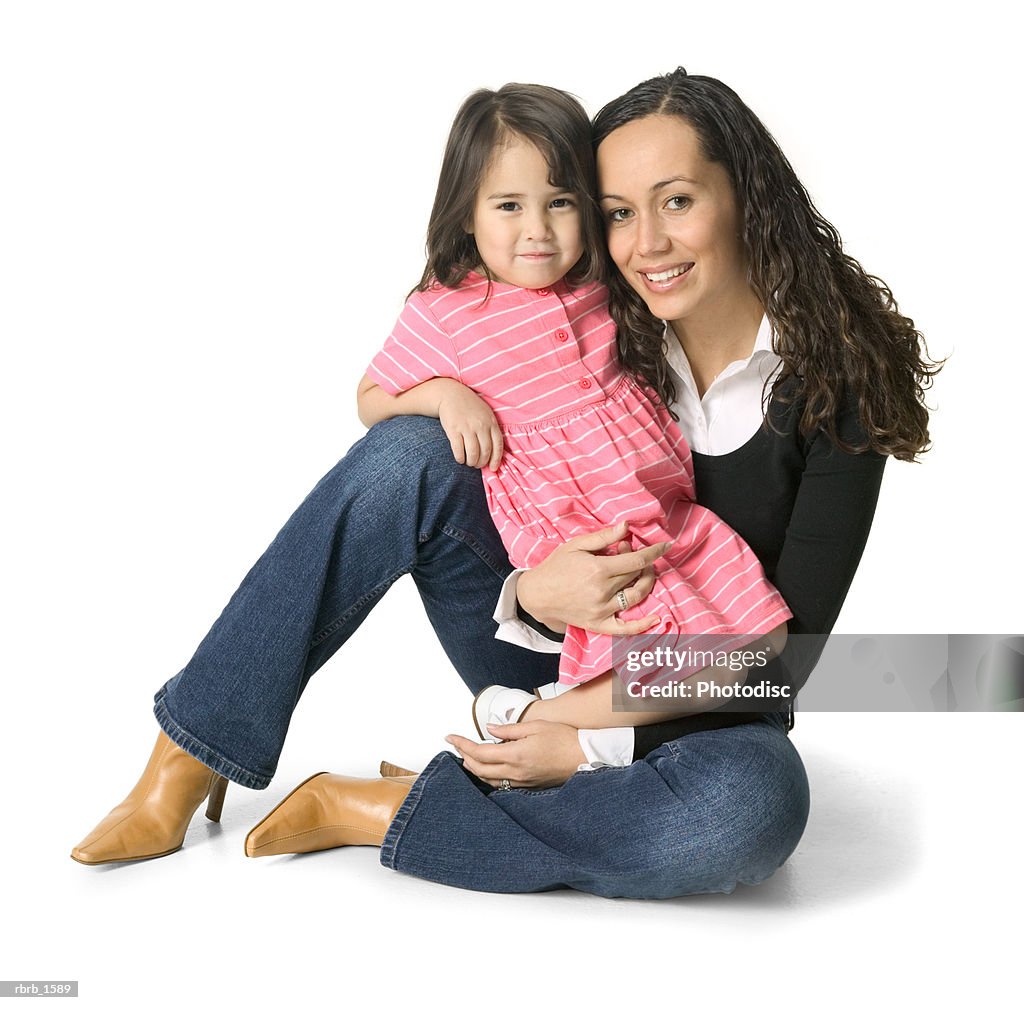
(155, 815)
(501, 706)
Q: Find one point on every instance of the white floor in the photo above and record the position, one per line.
(907, 884)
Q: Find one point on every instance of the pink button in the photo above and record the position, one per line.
(562, 335)
(543, 291)
(584, 383)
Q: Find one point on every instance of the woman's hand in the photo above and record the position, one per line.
(536, 755)
(579, 583)
(470, 425)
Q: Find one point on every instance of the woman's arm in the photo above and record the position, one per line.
(467, 421)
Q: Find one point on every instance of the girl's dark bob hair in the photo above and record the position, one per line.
(551, 120)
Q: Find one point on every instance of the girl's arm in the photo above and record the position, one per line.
(592, 705)
(468, 422)
(376, 405)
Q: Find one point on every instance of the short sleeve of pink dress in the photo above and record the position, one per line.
(585, 447)
(418, 349)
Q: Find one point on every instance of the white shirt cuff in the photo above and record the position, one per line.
(513, 630)
(606, 747)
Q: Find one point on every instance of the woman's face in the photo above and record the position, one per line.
(673, 223)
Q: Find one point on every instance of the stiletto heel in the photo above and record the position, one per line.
(389, 771)
(216, 802)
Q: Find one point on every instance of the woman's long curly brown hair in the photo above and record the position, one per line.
(837, 328)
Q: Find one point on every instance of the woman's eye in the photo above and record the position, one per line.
(678, 202)
(618, 215)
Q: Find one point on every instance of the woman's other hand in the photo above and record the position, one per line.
(535, 755)
(579, 582)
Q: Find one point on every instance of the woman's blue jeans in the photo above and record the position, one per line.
(698, 814)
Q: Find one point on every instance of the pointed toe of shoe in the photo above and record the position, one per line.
(154, 817)
(287, 822)
(107, 844)
(253, 840)
(84, 855)
(328, 811)
(125, 836)
(89, 852)
(97, 855)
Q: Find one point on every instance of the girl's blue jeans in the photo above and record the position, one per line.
(701, 813)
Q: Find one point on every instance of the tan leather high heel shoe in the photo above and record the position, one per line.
(327, 811)
(155, 815)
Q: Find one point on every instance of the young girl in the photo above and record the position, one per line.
(508, 341)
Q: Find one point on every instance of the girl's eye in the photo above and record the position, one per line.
(509, 205)
(561, 201)
(619, 215)
(678, 202)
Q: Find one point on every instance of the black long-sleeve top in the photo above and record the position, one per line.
(805, 508)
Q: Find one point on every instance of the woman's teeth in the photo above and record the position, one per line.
(666, 275)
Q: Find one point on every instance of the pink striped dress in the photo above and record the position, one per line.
(585, 447)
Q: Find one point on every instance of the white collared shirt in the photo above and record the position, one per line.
(725, 418)
(730, 412)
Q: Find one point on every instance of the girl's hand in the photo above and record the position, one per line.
(578, 583)
(470, 426)
(536, 755)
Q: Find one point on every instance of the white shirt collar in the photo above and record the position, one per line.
(680, 364)
(730, 411)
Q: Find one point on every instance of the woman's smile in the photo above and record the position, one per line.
(664, 278)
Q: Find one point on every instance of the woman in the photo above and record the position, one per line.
(710, 229)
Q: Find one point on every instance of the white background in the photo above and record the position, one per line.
(211, 213)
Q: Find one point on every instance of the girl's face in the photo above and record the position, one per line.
(673, 222)
(527, 231)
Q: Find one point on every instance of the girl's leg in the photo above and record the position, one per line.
(702, 813)
(397, 503)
